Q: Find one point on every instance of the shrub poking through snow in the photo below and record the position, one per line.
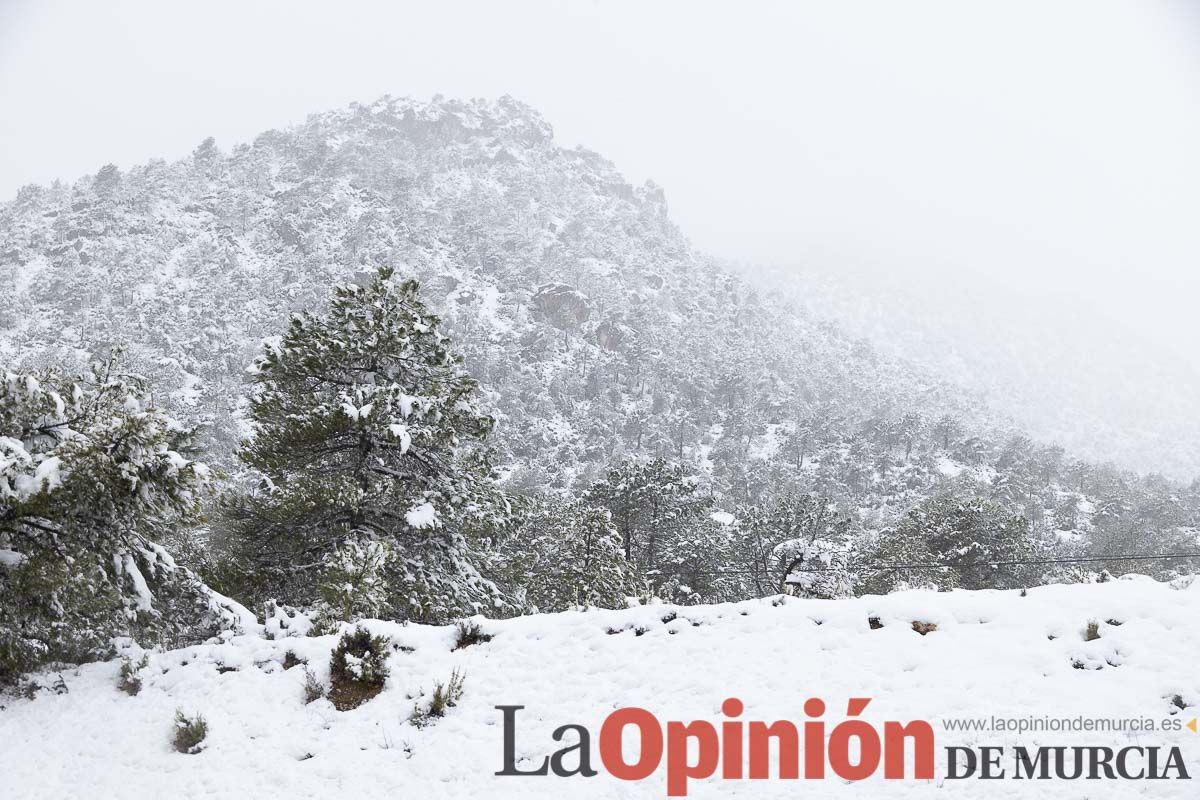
(189, 732)
(924, 627)
(282, 621)
(445, 695)
(313, 689)
(30, 688)
(1093, 631)
(469, 633)
(358, 668)
(290, 659)
(130, 676)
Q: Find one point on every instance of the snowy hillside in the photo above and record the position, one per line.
(597, 332)
(594, 325)
(992, 654)
(1038, 359)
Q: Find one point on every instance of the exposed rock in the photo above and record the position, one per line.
(563, 306)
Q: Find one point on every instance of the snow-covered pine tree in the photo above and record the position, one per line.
(966, 535)
(662, 518)
(366, 428)
(354, 580)
(698, 565)
(802, 531)
(90, 478)
(647, 501)
(566, 555)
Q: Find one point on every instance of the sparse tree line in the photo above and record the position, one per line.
(373, 492)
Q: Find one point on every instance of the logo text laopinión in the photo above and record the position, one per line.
(852, 749)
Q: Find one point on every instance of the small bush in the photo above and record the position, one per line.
(445, 695)
(30, 688)
(324, 621)
(290, 659)
(357, 668)
(189, 732)
(469, 633)
(313, 689)
(130, 681)
(1093, 631)
(282, 621)
(924, 627)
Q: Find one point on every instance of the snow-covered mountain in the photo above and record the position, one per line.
(597, 332)
(577, 300)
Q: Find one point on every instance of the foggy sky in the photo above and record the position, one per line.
(1042, 152)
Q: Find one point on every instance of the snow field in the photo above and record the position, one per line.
(991, 654)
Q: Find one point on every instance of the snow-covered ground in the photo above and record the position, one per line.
(993, 654)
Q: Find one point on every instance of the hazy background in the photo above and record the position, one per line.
(1009, 189)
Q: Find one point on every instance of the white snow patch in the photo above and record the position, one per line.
(948, 467)
(422, 516)
(722, 517)
(145, 598)
(401, 433)
(46, 477)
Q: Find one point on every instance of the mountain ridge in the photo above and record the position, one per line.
(596, 330)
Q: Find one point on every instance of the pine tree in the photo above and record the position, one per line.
(794, 531)
(946, 432)
(965, 537)
(698, 565)
(568, 555)
(366, 428)
(90, 478)
(660, 514)
(354, 581)
(650, 503)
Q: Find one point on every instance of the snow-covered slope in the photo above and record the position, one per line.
(992, 654)
(597, 332)
(1064, 372)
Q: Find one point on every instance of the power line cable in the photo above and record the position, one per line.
(1014, 563)
(974, 565)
